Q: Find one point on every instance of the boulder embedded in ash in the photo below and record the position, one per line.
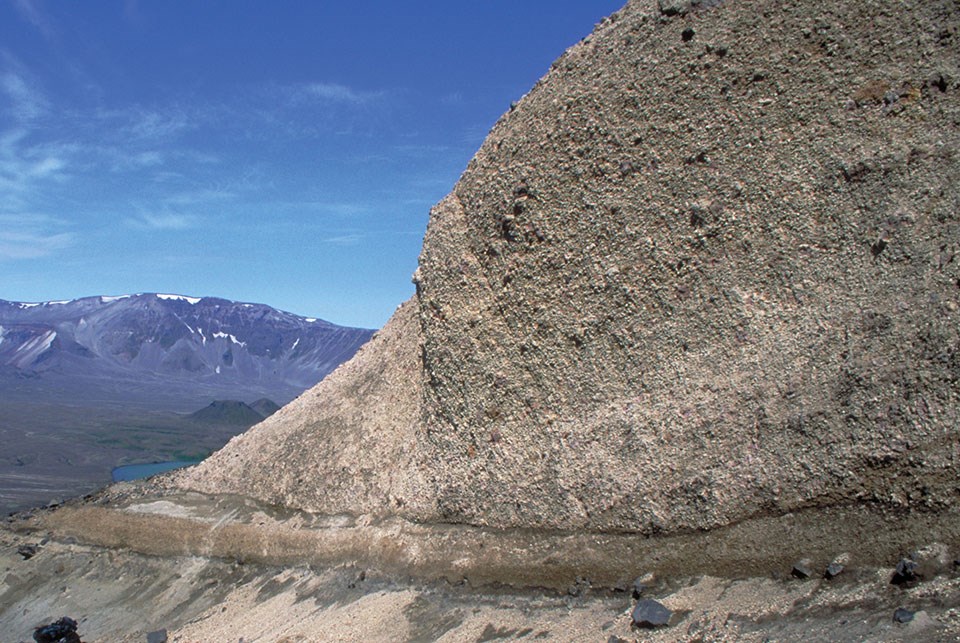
(801, 569)
(638, 586)
(674, 7)
(650, 613)
(28, 551)
(905, 573)
(159, 636)
(579, 587)
(62, 631)
(833, 570)
(902, 615)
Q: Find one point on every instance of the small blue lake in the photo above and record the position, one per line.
(137, 471)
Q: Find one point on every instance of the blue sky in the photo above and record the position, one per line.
(278, 152)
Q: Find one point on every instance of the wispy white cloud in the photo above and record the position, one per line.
(340, 209)
(27, 245)
(155, 124)
(29, 236)
(344, 240)
(334, 92)
(27, 163)
(161, 222)
(47, 167)
(24, 168)
(424, 150)
(197, 197)
(24, 101)
(31, 12)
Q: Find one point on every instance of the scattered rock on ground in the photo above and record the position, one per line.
(905, 573)
(62, 631)
(28, 551)
(579, 587)
(833, 570)
(674, 7)
(801, 569)
(159, 636)
(650, 613)
(902, 615)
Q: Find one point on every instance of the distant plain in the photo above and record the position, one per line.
(51, 452)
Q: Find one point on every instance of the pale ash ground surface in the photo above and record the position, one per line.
(221, 570)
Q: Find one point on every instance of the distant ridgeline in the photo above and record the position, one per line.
(162, 349)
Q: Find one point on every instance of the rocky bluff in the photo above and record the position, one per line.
(706, 269)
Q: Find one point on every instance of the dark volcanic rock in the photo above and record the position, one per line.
(801, 569)
(650, 613)
(28, 551)
(905, 573)
(62, 631)
(902, 615)
(833, 570)
(159, 636)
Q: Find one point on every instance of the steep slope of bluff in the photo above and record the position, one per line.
(706, 269)
(348, 445)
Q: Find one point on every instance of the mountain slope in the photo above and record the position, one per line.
(228, 412)
(704, 271)
(166, 346)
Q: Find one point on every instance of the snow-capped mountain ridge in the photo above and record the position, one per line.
(208, 341)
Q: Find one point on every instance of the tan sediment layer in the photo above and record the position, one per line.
(235, 529)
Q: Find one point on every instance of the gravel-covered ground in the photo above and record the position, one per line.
(133, 560)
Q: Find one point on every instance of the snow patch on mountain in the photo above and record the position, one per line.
(191, 300)
(33, 348)
(231, 337)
